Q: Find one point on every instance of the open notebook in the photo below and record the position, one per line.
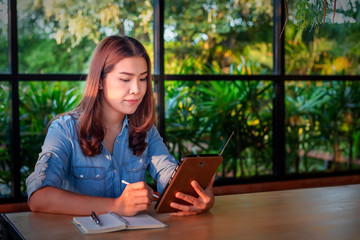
(112, 222)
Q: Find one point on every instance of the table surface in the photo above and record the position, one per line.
(313, 213)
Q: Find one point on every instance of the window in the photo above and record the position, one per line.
(218, 37)
(328, 49)
(322, 126)
(4, 68)
(293, 101)
(201, 115)
(5, 160)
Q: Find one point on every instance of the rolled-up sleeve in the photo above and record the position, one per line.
(52, 163)
(162, 163)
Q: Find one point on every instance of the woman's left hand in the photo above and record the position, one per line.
(198, 205)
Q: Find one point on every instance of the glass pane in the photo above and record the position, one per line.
(322, 126)
(40, 102)
(218, 37)
(324, 49)
(4, 67)
(201, 115)
(59, 36)
(5, 161)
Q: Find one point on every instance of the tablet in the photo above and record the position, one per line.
(192, 167)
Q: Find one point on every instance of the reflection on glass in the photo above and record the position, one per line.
(322, 126)
(218, 37)
(332, 48)
(41, 101)
(201, 115)
(4, 68)
(59, 36)
(5, 161)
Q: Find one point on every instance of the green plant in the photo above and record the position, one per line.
(303, 103)
(5, 161)
(322, 117)
(39, 103)
(200, 116)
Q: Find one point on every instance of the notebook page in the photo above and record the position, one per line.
(142, 221)
(108, 221)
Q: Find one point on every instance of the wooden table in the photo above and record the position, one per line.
(314, 213)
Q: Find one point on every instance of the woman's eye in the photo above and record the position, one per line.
(143, 79)
(125, 80)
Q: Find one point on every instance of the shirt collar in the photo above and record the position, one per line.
(126, 122)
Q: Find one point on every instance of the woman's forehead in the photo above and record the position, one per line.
(137, 64)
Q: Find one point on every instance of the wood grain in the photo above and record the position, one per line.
(314, 213)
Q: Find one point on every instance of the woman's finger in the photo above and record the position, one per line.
(185, 208)
(186, 197)
(199, 190)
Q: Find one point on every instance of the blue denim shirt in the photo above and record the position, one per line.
(62, 164)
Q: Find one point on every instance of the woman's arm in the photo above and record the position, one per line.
(162, 163)
(135, 198)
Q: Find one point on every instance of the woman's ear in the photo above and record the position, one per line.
(100, 85)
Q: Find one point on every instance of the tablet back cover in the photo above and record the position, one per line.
(198, 167)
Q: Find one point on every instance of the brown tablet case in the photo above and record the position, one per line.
(193, 167)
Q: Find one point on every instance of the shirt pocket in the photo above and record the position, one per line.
(90, 180)
(136, 167)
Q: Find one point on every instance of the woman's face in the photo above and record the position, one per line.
(125, 86)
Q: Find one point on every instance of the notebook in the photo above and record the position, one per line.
(112, 222)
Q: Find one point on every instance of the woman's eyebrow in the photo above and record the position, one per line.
(131, 74)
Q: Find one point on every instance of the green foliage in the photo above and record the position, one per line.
(93, 20)
(322, 117)
(39, 55)
(3, 56)
(200, 116)
(314, 13)
(39, 103)
(217, 35)
(5, 166)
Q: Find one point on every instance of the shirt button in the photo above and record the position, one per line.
(97, 176)
(117, 141)
(81, 175)
(115, 171)
(48, 154)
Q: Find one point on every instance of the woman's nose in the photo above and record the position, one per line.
(134, 88)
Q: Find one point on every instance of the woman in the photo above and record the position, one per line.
(108, 138)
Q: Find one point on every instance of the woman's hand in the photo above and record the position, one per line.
(135, 198)
(203, 203)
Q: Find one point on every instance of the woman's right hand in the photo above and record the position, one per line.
(135, 198)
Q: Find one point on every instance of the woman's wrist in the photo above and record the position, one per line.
(116, 206)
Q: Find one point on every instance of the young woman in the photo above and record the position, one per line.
(108, 138)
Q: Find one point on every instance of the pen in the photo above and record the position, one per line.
(125, 182)
(95, 218)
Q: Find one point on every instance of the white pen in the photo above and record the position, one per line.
(125, 182)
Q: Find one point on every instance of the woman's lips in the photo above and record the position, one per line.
(132, 101)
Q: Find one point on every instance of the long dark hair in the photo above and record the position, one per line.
(91, 132)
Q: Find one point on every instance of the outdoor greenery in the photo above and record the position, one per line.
(322, 117)
(201, 37)
(200, 117)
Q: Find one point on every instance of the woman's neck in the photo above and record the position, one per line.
(113, 127)
(113, 123)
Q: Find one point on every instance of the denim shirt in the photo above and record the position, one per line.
(62, 164)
